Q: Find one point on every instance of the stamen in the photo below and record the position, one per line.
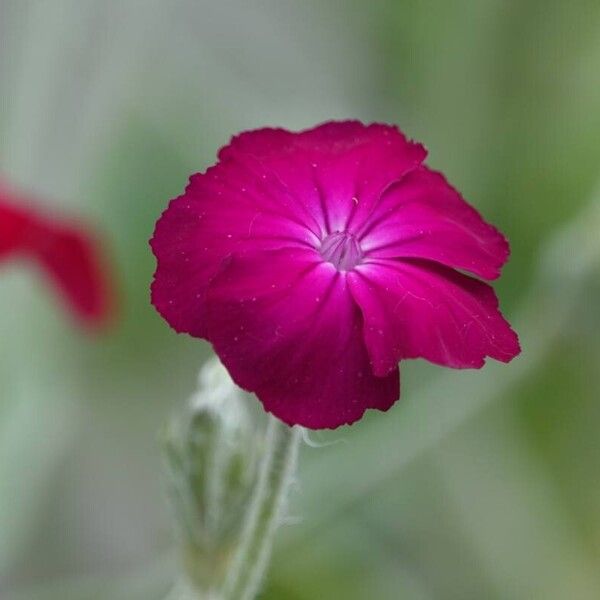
(342, 250)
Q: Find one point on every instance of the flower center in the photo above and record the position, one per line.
(342, 250)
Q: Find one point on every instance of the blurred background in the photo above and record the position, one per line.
(476, 484)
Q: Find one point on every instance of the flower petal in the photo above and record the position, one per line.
(338, 169)
(72, 259)
(67, 254)
(13, 223)
(424, 217)
(284, 324)
(415, 308)
(221, 211)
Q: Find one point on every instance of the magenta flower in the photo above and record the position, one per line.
(66, 253)
(315, 261)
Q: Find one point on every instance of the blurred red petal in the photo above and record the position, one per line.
(71, 258)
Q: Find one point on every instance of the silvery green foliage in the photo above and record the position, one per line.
(212, 449)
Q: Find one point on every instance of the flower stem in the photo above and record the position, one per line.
(264, 512)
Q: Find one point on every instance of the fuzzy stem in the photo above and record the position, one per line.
(264, 512)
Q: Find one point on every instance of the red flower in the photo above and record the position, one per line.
(314, 262)
(68, 255)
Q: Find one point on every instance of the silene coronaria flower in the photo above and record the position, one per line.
(64, 251)
(315, 261)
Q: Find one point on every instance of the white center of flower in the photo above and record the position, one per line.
(342, 250)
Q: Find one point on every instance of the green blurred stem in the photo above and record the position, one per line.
(277, 471)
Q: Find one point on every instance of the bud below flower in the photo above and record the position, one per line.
(212, 451)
